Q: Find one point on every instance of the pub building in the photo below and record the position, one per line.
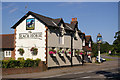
(51, 40)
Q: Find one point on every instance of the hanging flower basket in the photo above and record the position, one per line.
(89, 54)
(34, 50)
(61, 52)
(77, 53)
(81, 53)
(68, 52)
(21, 51)
(52, 52)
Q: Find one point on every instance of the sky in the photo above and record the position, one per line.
(93, 17)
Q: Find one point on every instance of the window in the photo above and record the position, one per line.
(83, 42)
(89, 44)
(7, 53)
(61, 39)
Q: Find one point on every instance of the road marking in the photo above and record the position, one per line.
(87, 77)
(89, 71)
(78, 72)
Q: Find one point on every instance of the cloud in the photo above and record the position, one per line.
(13, 10)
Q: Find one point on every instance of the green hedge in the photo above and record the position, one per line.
(20, 63)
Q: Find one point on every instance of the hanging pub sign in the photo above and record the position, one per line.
(30, 35)
(30, 24)
(99, 38)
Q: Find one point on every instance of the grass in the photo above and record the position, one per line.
(107, 59)
(114, 55)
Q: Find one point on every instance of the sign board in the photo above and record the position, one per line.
(99, 39)
(30, 24)
(36, 35)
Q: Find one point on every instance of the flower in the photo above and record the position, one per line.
(62, 51)
(69, 52)
(89, 54)
(52, 51)
(81, 53)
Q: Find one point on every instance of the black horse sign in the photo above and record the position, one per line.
(30, 24)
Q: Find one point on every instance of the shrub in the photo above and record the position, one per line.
(21, 58)
(20, 63)
(5, 63)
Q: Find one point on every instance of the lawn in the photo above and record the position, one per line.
(107, 59)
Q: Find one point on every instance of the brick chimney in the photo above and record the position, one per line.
(74, 20)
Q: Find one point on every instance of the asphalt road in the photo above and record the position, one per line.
(112, 73)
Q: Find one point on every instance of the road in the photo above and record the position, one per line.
(112, 73)
(108, 69)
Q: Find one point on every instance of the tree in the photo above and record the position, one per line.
(94, 49)
(104, 48)
(116, 43)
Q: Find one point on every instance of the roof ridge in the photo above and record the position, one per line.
(41, 15)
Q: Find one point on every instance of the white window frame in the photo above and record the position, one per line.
(89, 43)
(7, 53)
(83, 42)
(61, 39)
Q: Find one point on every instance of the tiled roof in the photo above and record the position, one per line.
(86, 48)
(7, 41)
(49, 22)
(88, 38)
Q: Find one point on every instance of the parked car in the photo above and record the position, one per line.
(101, 59)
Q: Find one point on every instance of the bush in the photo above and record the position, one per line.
(20, 63)
(21, 58)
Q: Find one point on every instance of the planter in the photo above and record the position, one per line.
(77, 54)
(61, 54)
(34, 52)
(53, 55)
(68, 54)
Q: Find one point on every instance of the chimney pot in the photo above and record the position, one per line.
(74, 19)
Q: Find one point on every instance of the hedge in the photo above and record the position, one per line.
(20, 63)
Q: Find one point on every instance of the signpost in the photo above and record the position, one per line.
(99, 41)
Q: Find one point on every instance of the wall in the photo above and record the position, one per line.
(40, 68)
(27, 44)
(53, 41)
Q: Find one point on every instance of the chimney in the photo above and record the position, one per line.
(74, 20)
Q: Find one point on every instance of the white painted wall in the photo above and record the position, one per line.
(27, 44)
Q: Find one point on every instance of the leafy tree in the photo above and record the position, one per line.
(104, 48)
(94, 49)
(116, 43)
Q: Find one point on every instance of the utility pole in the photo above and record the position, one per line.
(71, 49)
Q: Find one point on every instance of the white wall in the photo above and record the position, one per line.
(27, 44)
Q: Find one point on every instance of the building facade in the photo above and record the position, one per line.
(51, 40)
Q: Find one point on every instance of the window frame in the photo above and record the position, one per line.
(7, 53)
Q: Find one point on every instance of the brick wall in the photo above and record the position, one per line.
(40, 68)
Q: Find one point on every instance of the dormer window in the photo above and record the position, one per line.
(89, 43)
(84, 42)
(62, 31)
(76, 34)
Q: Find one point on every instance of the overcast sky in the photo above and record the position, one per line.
(93, 17)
